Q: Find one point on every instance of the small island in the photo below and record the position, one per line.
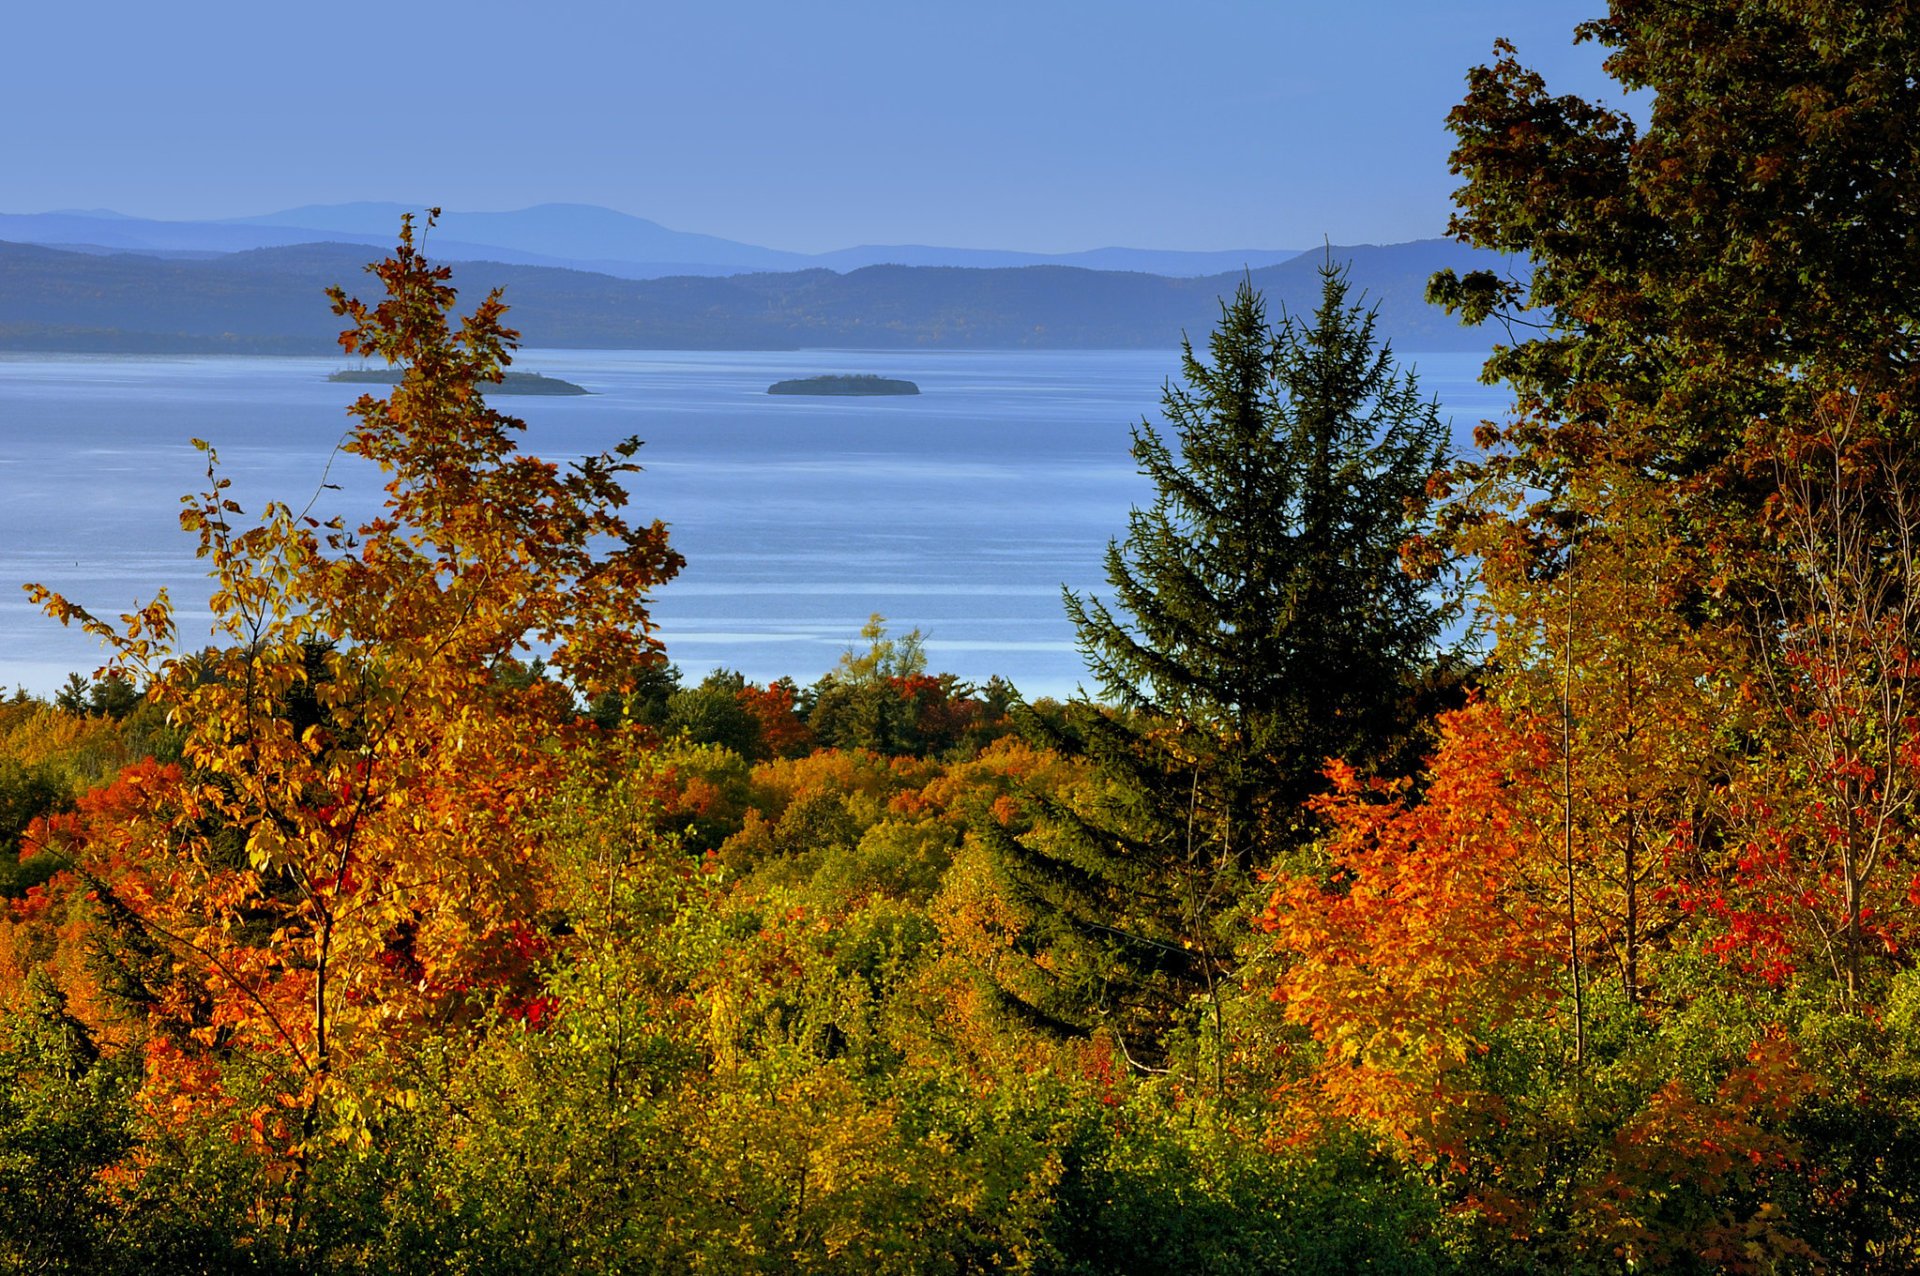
(511, 383)
(864, 384)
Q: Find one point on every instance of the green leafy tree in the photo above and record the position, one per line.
(63, 1120)
(26, 794)
(712, 713)
(646, 703)
(1261, 623)
(858, 705)
(1709, 273)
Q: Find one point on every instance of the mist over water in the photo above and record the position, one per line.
(960, 512)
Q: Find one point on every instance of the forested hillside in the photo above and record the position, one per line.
(431, 923)
(263, 301)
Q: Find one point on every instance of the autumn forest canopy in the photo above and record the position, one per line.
(429, 920)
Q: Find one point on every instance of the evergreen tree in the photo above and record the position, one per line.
(1260, 623)
(1264, 583)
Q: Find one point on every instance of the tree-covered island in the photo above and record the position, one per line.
(851, 385)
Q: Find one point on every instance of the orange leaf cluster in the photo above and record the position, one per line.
(1422, 938)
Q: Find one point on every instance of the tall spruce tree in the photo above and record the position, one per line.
(1260, 623)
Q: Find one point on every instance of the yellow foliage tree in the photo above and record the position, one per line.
(347, 848)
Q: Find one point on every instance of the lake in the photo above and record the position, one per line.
(960, 512)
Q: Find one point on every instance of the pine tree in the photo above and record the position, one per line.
(1260, 624)
(1264, 583)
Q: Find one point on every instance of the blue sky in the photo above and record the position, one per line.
(1047, 125)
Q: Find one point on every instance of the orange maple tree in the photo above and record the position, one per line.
(1423, 940)
(347, 847)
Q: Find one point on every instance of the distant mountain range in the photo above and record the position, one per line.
(270, 299)
(574, 236)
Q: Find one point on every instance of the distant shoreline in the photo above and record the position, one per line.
(268, 301)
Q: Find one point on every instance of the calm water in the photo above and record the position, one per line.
(960, 512)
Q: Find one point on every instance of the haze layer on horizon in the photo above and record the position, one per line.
(1050, 127)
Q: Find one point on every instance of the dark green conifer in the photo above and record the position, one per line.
(1263, 584)
(1259, 624)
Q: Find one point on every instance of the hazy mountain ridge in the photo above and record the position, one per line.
(570, 233)
(572, 236)
(272, 300)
